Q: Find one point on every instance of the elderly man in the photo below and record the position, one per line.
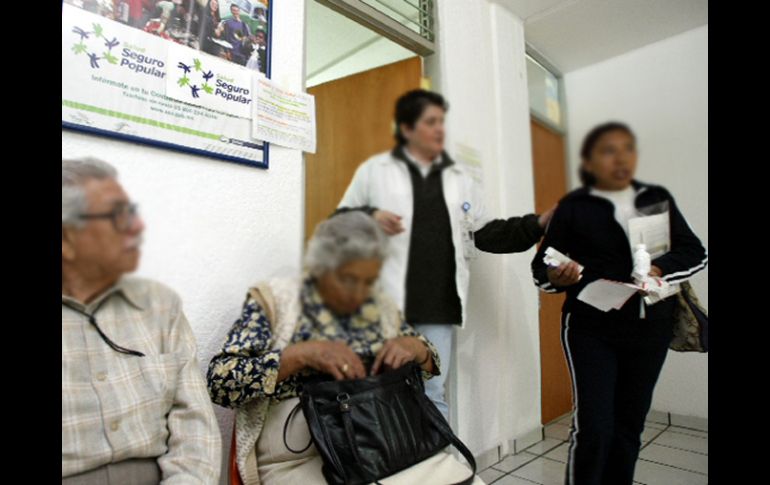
(134, 404)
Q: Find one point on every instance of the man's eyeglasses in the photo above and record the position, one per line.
(122, 216)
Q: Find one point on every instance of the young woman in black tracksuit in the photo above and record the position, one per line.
(614, 357)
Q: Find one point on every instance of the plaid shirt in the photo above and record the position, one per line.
(117, 406)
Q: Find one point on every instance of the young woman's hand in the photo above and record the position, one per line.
(564, 275)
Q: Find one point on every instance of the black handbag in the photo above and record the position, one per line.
(368, 429)
(691, 322)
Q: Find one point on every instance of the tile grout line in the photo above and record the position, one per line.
(674, 467)
(679, 449)
(653, 439)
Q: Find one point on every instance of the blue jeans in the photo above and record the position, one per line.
(440, 335)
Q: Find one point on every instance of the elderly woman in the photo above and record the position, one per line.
(333, 322)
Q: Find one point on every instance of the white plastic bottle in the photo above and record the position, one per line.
(642, 263)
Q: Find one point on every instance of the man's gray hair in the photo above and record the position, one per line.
(343, 238)
(74, 172)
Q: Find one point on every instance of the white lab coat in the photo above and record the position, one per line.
(384, 182)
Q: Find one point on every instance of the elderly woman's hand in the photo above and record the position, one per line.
(398, 351)
(331, 357)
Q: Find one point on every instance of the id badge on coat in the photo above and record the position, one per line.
(466, 227)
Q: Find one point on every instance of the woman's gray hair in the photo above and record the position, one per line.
(74, 172)
(343, 238)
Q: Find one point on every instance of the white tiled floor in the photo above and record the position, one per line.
(512, 462)
(670, 455)
(544, 446)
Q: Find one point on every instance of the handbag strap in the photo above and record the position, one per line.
(286, 427)
(336, 466)
(440, 423)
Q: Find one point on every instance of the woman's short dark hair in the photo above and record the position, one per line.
(589, 142)
(410, 107)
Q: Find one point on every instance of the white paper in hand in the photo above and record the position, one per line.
(607, 295)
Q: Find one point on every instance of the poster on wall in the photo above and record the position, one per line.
(171, 73)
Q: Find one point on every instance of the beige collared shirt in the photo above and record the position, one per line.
(117, 406)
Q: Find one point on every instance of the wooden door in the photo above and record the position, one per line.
(354, 117)
(549, 164)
